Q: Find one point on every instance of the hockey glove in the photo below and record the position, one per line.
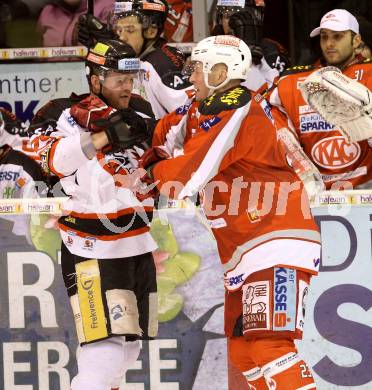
(126, 129)
(142, 125)
(151, 157)
(247, 26)
(341, 101)
(91, 30)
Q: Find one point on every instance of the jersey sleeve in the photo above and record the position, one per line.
(211, 152)
(60, 149)
(278, 96)
(171, 130)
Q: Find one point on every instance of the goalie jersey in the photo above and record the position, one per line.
(336, 159)
(226, 147)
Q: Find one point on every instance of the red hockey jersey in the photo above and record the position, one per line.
(226, 148)
(335, 158)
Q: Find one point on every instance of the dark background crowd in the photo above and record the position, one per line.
(36, 23)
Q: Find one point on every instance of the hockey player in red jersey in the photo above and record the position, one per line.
(140, 24)
(224, 145)
(106, 257)
(340, 162)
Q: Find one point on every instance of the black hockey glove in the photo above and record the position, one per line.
(247, 26)
(138, 123)
(91, 30)
(125, 129)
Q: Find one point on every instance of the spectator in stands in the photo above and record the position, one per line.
(365, 29)
(245, 21)
(17, 26)
(58, 20)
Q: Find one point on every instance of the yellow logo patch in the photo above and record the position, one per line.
(100, 49)
(232, 97)
(90, 300)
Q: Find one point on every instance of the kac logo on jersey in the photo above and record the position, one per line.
(284, 299)
(335, 152)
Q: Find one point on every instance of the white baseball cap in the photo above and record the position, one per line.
(337, 20)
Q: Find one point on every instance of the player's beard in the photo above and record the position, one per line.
(341, 63)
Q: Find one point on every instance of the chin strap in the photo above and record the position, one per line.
(212, 88)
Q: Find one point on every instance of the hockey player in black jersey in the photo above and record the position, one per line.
(140, 23)
(245, 21)
(107, 265)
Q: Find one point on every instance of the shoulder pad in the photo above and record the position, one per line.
(229, 100)
(49, 114)
(298, 69)
(137, 103)
(165, 58)
(168, 62)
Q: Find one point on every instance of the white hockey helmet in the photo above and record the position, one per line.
(225, 49)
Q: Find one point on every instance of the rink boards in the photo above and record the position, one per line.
(38, 335)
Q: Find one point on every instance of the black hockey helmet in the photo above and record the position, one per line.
(111, 54)
(149, 12)
(228, 8)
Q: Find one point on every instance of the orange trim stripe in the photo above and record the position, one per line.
(109, 215)
(115, 237)
(52, 151)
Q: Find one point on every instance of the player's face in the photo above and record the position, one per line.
(197, 80)
(129, 31)
(338, 47)
(117, 88)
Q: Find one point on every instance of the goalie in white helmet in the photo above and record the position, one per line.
(222, 145)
